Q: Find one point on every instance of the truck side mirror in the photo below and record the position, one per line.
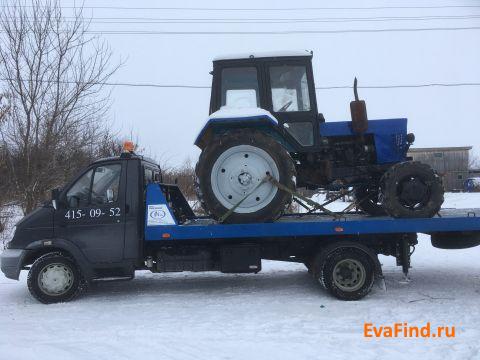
(109, 195)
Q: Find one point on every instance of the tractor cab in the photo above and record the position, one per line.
(281, 83)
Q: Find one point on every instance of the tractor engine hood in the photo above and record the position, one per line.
(390, 136)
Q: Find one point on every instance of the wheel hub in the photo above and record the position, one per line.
(245, 178)
(55, 279)
(349, 275)
(413, 192)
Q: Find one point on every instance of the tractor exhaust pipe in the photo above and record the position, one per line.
(358, 110)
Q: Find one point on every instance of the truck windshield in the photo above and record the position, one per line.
(240, 87)
(289, 88)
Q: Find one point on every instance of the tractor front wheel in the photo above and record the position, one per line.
(231, 173)
(411, 190)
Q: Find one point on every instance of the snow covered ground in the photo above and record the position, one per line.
(279, 313)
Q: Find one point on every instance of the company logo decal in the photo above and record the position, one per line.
(158, 215)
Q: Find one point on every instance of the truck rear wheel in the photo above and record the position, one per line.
(54, 278)
(233, 167)
(347, 273)
(411, 190)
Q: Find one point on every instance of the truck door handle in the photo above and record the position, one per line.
(127, 208)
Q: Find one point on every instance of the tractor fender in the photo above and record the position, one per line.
(226, 119)
(40, 247)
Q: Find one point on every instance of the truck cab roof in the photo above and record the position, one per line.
(127, 156)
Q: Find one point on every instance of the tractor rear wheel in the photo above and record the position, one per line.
(411, 190)
(233, 167)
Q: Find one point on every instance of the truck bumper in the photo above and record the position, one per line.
(11, 261)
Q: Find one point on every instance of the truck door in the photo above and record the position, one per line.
(92, 214)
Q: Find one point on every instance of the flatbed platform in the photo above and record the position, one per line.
(298, 225)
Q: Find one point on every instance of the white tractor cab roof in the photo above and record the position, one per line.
(264, 54)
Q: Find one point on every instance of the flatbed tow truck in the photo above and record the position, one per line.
(117, 217)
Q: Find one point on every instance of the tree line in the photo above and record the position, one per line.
(53, 104)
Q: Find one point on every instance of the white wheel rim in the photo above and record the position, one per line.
(55, 279)
(349, 275)
(238, 172)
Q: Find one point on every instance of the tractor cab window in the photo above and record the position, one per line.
(301, 131)
(98, 186)
(289, 88)
(240, 87)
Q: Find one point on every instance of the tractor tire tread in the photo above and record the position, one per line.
(390, 199)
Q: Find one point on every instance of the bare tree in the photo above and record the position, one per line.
(4, 107)
(183, 176)
(54, 73)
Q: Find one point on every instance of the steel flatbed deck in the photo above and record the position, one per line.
(448, 220)
(319, 225)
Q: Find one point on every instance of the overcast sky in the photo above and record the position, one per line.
(167, 120)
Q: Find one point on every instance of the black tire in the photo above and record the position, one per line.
(411, 190)
(76, 286)
(221, 143)
(326, 272)
(368, 200)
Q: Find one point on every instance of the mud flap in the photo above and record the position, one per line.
(380, 282)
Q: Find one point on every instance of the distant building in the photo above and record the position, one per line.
(449, 162)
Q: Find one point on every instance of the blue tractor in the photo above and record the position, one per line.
(264, 124)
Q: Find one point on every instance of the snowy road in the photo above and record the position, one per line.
(279, 313)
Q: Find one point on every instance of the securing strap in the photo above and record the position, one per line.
(299, 198)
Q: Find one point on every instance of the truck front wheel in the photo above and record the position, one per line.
(54, 278)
